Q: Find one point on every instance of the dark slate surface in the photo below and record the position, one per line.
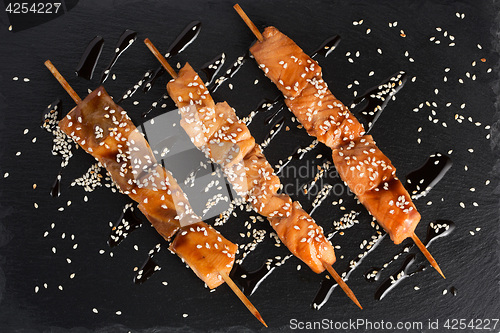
(470, 262)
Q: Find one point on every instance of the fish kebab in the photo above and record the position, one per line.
(216, 130)
(104, 130)
(360, 163)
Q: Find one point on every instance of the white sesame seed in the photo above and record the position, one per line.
(94, 310)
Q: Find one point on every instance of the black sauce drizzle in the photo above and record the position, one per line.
(377, 98)
(435, 230)
(327, 46)
(55, 190)
(422, 180)
(274, 131)
(231, 71)
(374, 273)
(213, 67)
(328, 284)
(187, 36)
(250, 281)
(149, 267)
(264, 105)
(298, 154)
(127, 223)
(136, 86)
(126, 39)
(396, 278)
(89, 58)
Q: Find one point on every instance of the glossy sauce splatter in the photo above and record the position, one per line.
(126, 39)
(90, 56)
(127, 223)
(422, 180)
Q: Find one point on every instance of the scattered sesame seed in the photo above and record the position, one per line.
(94, 310)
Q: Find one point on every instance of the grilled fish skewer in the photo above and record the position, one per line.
(104, 130)
(360, 163)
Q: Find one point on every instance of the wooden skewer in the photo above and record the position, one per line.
(226, 277)
(417, 241)
(242, 297)
(160, 58)
(427, 254)
(249, 22)
(330, 269)
(77, 100)
(62, 81)
(341, 283)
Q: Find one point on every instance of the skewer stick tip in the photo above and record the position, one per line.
(242, 297)
(248, 22)
(62, 81)
(160, 58)
(427, 254)
(342, 284)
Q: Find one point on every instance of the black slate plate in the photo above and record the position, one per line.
(468, 255)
